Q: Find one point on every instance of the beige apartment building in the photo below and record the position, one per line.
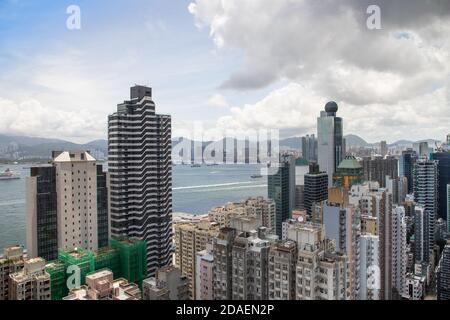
(321, 274)
(204, 271)
(260, 209)
(32, 283)
(282, 268)
(62, 208)
(12, 261)
(168, 284)
(191, 238)
(100, 285)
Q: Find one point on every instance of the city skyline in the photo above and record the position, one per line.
(222, 78)
(272, 195)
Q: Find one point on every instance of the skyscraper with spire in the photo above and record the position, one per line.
(330, 140)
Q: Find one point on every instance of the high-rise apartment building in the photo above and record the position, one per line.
(448, 208)
(443, 275)
(443, 165)
(422, 149)
(309, 148)
(320, 273)
(12, 261)
(377, 202)
(168, 284)
(258, 207)
(300, 197)
(399, 254)
(398, 187)
(406, 167)
(31, 283)
(281, 189)
(383, 148)
(330, 140)
(204, 272)
(191, 238)
(139, 142)
(342, 223)
(426, 193)
(282, 270)
(222, 254)
(376, 169)
(316, 187)
(250, 261)
(67, 205)
(422, 249)
(369, 275)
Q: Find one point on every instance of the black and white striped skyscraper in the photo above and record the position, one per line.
(139, 142)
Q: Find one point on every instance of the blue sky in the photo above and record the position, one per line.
(235, 64)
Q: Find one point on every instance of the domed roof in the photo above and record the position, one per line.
(331, 107)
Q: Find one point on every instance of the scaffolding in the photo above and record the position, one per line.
(108, 258)
(126, 258)
(133, 258)
(57, 272)
(83, 259)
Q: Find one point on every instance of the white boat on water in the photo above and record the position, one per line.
(8, 175)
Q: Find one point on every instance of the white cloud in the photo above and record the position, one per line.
(218, 101)
(315, 41)
(390, 83)
(297, 107)
(31, 118)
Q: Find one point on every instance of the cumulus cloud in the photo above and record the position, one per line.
(392, 81)
(218, 101)
(296, 108)
(327, 44)
(32, 118)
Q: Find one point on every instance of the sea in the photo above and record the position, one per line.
(195, 191)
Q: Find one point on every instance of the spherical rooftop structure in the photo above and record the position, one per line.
(331, 107)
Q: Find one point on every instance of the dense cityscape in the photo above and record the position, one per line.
(356, 226)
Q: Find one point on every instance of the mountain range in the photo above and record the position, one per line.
(23, 147)
(34, 148)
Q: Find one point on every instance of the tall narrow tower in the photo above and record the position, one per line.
(139, 142)
(426, 178)
(330, 140)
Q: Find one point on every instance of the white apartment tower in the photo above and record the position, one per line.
(399, 255)
(370, 268)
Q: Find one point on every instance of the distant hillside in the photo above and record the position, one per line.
(22, 148)
(353, 140)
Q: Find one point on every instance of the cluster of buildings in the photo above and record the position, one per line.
(373, 228)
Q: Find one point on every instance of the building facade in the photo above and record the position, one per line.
(282, 268)
(378, 168)
(426, 178)
(281, 189)
(12, 261)
(31, 283)
(140, 166)
(443, 165)
(443, 275)
(67, 205)
(316, 187)
(330, 140)
(191, 238)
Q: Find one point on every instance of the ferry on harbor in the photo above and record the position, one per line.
(8, 175)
